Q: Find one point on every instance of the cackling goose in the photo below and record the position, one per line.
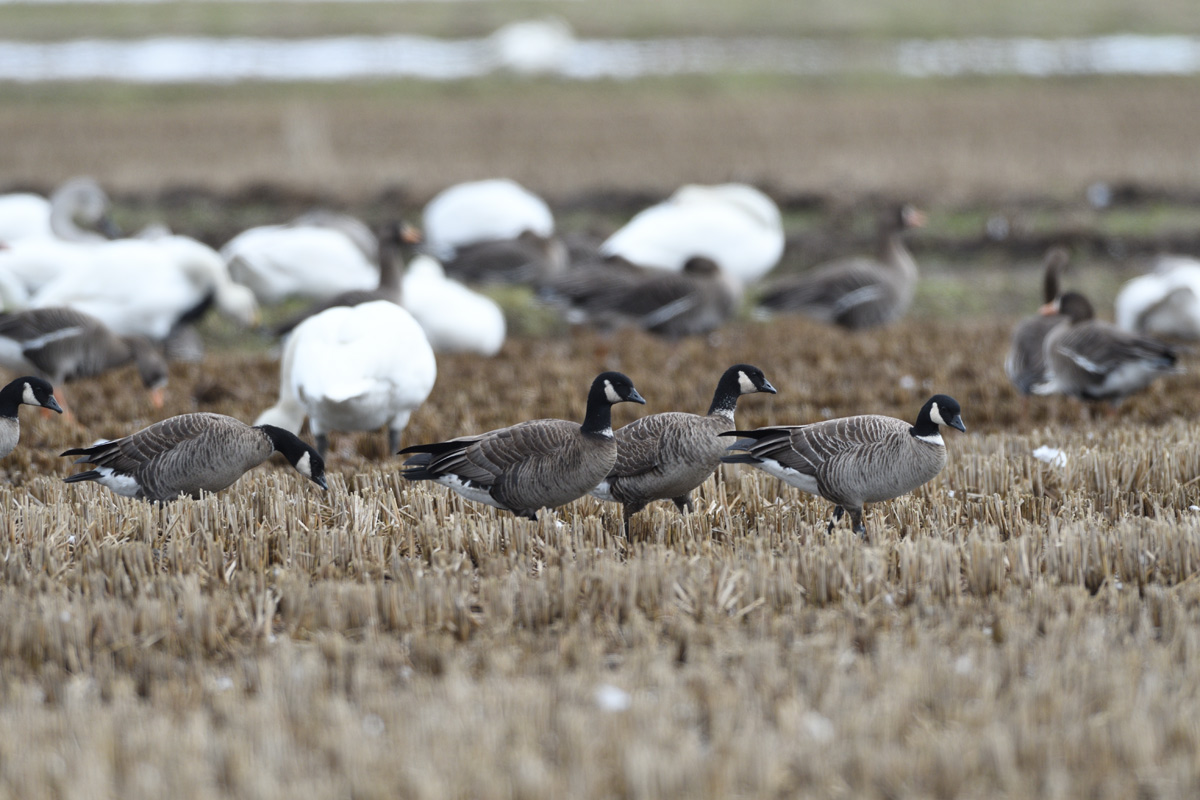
(542, 463)
(190, 454)
(30, 391)
(853, 460)
(666, 456)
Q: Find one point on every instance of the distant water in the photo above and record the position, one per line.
(224, 60)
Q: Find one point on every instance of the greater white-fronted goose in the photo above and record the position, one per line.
(542, 463)
(31, 391)
(665, 456)
(64, 344)
(1095, 360)
(353, 369)
(608, 295)
(529, 259)
(858, 292)
(393, 238)
(853, 461)
(1025, 363)
(190, 454)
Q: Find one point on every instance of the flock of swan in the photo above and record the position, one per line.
(363, 356)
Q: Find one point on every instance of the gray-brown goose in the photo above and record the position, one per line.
(392, 240)
(853, 461)
(1095, 360)
(64, 344)
(528, 259)
(665, 456)
(1025, 363)
(31, 391)
(695, 301)
(542, 463)
(190, 454)
(858, 292)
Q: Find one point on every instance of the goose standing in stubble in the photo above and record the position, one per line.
(665, 456)
(853, 461)
(1095, 360)
(29, 391)
(542, 463)
(859, 292)
(1025, 363)
(190, 454)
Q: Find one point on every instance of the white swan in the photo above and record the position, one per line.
(280, 261)
(454, 318)
(25, 216)
(733, 224)
(143, 288)
(353, 368)
(1165, 302)
(483, 211)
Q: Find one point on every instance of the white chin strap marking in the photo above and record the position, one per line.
(747, 386)
(611, 393)
(936, 415)
(28, 397)
(304, 465)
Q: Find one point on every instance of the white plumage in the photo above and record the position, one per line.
(733, 224)
(454, 318)
(483, 211)
(1165, 302)
(141, 288)
(353, 369)
(25, 216)
(280, 261)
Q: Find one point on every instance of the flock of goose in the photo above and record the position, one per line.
(78, 303)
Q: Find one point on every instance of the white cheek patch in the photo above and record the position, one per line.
(29, 398)
(304, 465)
(936, 415)
(611, 393)
(747, 386)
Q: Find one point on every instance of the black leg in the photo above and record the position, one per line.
(684, 503)
(838, 511)
(856, 519)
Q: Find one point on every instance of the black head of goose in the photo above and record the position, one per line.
(65, 344)
(190, 454)
(29, 391)
(666, 456)
(543, 463)
(853, 461)
(395, 239)
(1095, 360)
(1025, 364)
(858, 292)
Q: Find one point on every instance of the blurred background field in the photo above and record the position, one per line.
(1014, 629)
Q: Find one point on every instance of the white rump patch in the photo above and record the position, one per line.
(792, 477)
(935, 438)
(304, 465)
(935, 414)
(747, 386)
(611, 393)
(468, 490)
(603, 492)
(118, 482)
(28, 397)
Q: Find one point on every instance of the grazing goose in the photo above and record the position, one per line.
(1164, 302)
(697, 300)
(491, 210)
(853, 460)
(391, 269)
(666, 456)
(455, 318)
(542, 463)
(528, 259)
(1025, 363)
(26, 216)
(1095, 360)
(859, 292)
(30, 391)
(64, 344)
(190, 454)
(353, 369)
(732, 224)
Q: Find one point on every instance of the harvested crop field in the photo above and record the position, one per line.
(1015, 628)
